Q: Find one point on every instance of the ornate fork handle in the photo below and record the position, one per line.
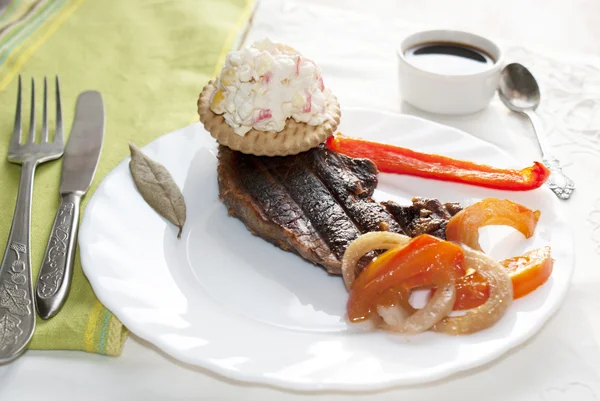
(558, 182)
(17, 317)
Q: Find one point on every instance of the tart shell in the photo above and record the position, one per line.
(293, 139)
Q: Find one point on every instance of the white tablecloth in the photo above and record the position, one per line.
(354, 42)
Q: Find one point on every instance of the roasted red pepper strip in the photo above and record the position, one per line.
(394, 159)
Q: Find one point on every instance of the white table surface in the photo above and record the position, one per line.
(354, 43)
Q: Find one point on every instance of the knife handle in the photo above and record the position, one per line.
(54, 280)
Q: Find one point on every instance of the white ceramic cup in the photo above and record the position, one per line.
(449, 94)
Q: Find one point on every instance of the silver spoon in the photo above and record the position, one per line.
(520, 92)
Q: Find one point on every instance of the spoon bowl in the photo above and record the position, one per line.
(518, 90)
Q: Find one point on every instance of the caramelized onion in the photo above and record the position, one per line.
(364, 244)
(438, 307)
(393, 316)
(484, 316)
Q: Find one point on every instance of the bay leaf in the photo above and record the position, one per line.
(157, 187)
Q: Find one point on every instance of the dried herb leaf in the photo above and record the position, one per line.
(157, 187)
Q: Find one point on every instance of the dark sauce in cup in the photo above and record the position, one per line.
(448, 58)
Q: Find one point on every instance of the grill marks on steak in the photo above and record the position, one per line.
(254, 195)
(317, 202)
(321, 208)
(352, 182)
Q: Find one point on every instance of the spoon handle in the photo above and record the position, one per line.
(558, 182)
(538, 129)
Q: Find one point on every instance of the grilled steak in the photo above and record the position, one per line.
(316, 203)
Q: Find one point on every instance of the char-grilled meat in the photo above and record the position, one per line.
(424, 216)
(317, 202)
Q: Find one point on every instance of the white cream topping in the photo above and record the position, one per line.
(263, 85)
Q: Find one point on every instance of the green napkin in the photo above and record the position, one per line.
(150, 60)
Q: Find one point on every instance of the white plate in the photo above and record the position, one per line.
(226, 300)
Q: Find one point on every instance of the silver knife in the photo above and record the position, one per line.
(79, 165)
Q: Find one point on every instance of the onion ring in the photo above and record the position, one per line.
(438, 307)
(392, 315)
(484, 316)
(366, 243)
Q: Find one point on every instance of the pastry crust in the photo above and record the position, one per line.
(295, 137)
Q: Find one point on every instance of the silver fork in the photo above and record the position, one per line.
(17, 311)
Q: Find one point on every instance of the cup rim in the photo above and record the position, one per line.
(443, 36)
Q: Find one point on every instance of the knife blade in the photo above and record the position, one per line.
(80, 161)
(83, 149)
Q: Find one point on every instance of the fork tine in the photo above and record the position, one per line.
(16, 138)
(45, 114)
(58, 135)
(31, 138)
